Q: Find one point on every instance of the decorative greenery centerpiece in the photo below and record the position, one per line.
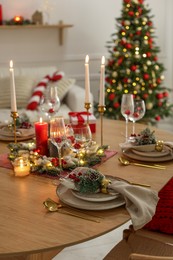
(145, 137)
(50, 165)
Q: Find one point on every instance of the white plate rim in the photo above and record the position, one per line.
(67, 197)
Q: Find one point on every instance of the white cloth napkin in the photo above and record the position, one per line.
(168, 145)
(141, 202)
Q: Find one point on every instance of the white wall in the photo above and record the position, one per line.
(94, 22)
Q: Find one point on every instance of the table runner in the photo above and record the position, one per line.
(5, 163)
(162, 221)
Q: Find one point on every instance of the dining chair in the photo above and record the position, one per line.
(149, 257)
(141, 242)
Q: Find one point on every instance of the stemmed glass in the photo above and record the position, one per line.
(127, 109)
(50, 102)
(139, 112)
(58, 135)
(83, 138)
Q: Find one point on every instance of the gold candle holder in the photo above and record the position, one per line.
(14, 115)
(87, 106)
(101, 110)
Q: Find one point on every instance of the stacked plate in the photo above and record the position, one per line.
(96, 201)
(7, 134)
(148, 153)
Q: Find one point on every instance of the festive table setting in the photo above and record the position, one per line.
(78, 169)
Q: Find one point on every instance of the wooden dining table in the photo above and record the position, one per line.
(29, 231)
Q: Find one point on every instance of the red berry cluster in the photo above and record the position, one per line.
(75, 177)
(55, 161)
(25, 125)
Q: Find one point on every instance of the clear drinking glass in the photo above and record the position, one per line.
(127, 109)
(58, 135)
(139, 112)
(50, 102)
(83, 137)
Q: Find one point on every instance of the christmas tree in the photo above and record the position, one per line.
(133, 65)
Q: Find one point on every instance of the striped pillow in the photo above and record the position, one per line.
(63, 86)
(23, 85)
(40, 88)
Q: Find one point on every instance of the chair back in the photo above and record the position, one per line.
(134, 256)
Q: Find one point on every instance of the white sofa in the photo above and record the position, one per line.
(25, 80)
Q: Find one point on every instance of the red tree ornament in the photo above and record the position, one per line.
(133, 67)
(145, 96)
(159, 95)
(146, 76)
(157, 118)
(128, 45)
(111, 96)
(165, 94)
(131, 13)
(116, 105)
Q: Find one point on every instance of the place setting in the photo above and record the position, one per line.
(24, 130)
(88, 189)
(143, 146)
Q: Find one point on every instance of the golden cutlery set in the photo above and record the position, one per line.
(53, 206)
(126, 162)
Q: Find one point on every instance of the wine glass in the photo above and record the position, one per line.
(127, 109)
(83, 138)
(50, 102)
(58, 135)
(139, 112)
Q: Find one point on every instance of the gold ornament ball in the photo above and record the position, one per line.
(137, 56)
(127, 22)
(145, 19)
(116, 53)
(114, 74)
(156, 67)
(149, 106)
(136, 21)
(149, 62)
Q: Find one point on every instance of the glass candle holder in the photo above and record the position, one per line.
(21, 166)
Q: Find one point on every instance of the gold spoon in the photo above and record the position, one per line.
(52, 206)
(127, 162)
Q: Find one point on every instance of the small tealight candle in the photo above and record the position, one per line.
(21, 166)
(18, 19)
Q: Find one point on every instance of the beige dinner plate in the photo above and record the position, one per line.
(151, 154)
(5, 136)
(95, 197)
(19, 138)
(130, 154)
(67, 197)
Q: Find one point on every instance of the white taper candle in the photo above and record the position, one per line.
(87, 80)
(12, 88)
(102, 82)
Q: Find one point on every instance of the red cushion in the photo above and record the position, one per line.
(163, 219)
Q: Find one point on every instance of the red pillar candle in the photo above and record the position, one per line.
(41, 133)
(1, 19)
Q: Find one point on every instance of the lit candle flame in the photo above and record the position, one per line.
(87, 59)
(103, 60)
(11, 64)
